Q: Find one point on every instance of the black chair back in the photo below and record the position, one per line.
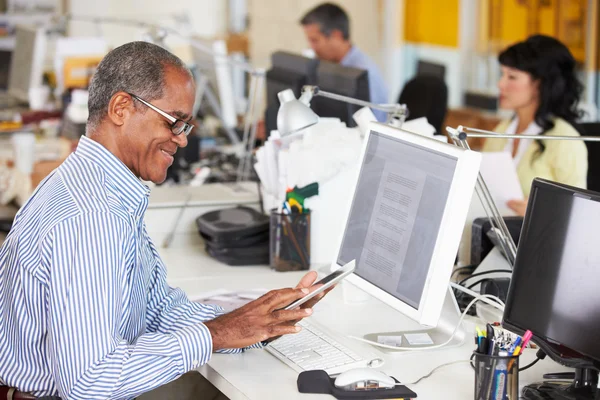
(426, 96)
(593, 148)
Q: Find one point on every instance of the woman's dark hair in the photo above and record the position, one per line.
(549, 61)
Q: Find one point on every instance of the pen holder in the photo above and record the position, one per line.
(290, 241)
(496, 377)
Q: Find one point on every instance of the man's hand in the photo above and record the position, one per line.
(258, 320)
(518, 206)
(306, 282)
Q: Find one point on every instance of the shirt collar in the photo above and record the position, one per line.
(132, 192)
(353, 52)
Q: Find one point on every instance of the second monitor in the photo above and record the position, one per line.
(292, 71)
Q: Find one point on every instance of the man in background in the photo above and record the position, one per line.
(327, 29)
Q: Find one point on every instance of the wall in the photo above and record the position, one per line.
(208, 18)
(440, 37)
(274, 25)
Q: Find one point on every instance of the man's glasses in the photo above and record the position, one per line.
(178, 126)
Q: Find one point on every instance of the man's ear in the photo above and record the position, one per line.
(120, 108)
(337, 35)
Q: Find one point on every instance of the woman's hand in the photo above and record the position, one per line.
(518, 206)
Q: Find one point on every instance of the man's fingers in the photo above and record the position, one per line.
(310, 303)
(276, 299)
(280, 330)
(307, 280)
(281, 316)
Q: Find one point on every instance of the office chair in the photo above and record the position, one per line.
(482, 243)
(426, 96)
(593, 148)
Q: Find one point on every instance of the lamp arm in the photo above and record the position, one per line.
(464, 133)
(395, 109)
(487, 201)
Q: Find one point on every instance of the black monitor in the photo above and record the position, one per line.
(346, 81)
(554, 290)
(288, 71)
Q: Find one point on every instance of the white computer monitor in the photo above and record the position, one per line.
(27, 63)
(405, 217)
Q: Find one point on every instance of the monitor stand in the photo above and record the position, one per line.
(583, 387)
(447, 323)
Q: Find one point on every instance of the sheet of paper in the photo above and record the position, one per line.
(500, 175)
(387, 340)
(227, 299)
(418, 339)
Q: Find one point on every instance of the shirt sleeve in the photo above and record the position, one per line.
(170, 310)
(91, 353)
(570, 162)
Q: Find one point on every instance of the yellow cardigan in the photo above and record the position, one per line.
(563, 161)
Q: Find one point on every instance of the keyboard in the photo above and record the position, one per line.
(315, 348)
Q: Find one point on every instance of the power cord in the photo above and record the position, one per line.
(435, 369)
(458, 271)
(461, 299)
(540, 355)
(486, 298)
(492, 271)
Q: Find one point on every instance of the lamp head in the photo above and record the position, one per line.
(294, 115)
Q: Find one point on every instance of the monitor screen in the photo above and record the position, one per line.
(395, 216)
(554, 287)
(342, 80)
(27, 61)
(288, 71)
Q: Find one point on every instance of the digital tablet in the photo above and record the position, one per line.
(325, 283)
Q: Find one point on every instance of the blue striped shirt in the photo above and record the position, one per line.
(85, 309)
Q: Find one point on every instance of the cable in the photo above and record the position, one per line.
(465, 268)
(492, 271)
(480, 281)
(485, 298)
(476, 295)
(435, 369)
(531, 364)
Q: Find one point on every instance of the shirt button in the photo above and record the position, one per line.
(195, 363)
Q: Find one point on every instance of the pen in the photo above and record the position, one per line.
(492, 345)
(516, 347)
(490, 332)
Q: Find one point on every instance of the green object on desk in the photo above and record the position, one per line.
(300, 194)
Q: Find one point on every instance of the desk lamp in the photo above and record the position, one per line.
(295, 114)
(459, 137)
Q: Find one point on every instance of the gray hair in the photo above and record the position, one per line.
(135, 67)
(329, 17)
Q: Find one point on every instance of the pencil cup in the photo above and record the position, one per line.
(290, 241)
(496, 377)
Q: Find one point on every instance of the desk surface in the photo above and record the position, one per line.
(258, 375)
(204, 195)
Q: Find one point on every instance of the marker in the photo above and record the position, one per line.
(526, 338)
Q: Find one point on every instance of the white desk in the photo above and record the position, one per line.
(258, 375)
(164, 207)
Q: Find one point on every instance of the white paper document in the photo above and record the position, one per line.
(500, 175)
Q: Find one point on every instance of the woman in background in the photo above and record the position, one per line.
(538, 82)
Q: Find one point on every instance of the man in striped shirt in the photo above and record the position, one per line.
(85, 309)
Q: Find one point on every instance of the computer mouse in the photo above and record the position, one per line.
(364, 379)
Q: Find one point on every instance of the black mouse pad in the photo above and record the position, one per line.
(318, 381)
